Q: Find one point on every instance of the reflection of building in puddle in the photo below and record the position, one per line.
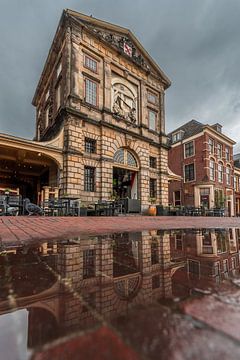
(73, 284)
(210, 255)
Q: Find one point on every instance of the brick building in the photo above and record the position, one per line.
(203, 156)
(237, 183)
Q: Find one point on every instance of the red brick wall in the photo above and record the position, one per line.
(201, 161)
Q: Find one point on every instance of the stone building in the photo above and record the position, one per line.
(101, 96)
(203, 156)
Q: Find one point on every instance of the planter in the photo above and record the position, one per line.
(132, 205)
(161, 210)
(152, 210)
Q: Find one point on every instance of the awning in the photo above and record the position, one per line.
(172, 176)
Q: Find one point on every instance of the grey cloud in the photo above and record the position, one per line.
(195, 42)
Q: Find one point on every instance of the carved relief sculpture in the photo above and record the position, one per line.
(124, 102)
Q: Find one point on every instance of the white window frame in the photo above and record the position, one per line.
(209, 146)
(228, 175)
(227, 153)
(219, 150)
(212, 178)
(220, 178)
(188, 181)
(186, 157)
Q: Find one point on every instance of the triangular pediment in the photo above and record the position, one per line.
(122, 40)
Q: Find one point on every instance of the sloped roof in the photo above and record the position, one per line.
(194, 127)
(189, 129)
(85, 20)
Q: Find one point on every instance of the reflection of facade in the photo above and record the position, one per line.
(74, 284)
(203, 156)
(237, 183)
(99, 92)
(73, 281)
(210, 256)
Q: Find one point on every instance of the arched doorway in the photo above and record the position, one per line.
(125, 174)
(26, 172)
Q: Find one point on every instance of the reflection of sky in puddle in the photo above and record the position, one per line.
(14, 333)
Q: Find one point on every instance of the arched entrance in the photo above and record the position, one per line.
(125, 174)
(26, 172)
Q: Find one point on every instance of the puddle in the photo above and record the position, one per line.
(55, 289)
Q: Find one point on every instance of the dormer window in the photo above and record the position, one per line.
(90, 63)
(177, 136)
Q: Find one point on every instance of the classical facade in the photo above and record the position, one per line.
(203, 156)
(101, 96)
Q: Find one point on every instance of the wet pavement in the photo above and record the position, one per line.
(152, 294)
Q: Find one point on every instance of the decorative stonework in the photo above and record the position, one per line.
(122, 43)
(124, 100)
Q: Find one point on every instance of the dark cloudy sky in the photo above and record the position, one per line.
(196, 43)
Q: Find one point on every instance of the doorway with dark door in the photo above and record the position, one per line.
(125, 183)
(204, 197)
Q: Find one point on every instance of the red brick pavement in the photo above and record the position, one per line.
(16, 230)
(102, 344)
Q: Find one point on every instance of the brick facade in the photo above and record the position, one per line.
(204, 187)
(61, 101)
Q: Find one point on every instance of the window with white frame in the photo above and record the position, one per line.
(189, 172)
(90, 63)
(91, 89)
(227, 153)
(152, 119)
(211, 146)
(219, 150)
(189, 149)
(212, 170)
(235, 183)
(220, 172)
(177, 136)
(228, 175)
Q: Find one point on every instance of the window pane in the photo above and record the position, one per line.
(152, 119)
(212, 170)
(90, 63)
(91, 92)
(89, 263)
(211, 146)
(153, 188)
(89, 178)
(189, 149)
(152, 162)
(189, 172)
(90, 145)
